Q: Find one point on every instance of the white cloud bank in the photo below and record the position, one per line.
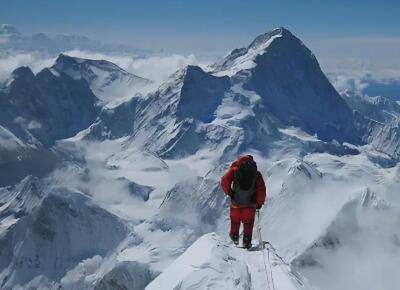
(155, 67)
(10, 62)
(351, 63)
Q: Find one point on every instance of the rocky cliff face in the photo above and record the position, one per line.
(48, 106)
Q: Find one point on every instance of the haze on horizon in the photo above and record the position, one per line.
(207, 25)
(356, 38)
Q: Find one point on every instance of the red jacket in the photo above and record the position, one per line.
(227, 179)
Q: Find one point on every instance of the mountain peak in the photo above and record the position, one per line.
(183, 75)
(245, 58)
(263, 38)
(64, 59)
(107, 80)
(193, 71)
(287, 76)
(22, 72)
(78, 68)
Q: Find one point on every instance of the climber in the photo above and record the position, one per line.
(245, 186)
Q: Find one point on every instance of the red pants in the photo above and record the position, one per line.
(245, 215)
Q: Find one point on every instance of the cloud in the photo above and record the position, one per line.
(3, 40)
(9, 62)
(33, 124)
(367, 255)
(302, 210)
(352, 64)
(355, 63)
(371, 82)
(347, 82)
(159, 67)
(155, 67)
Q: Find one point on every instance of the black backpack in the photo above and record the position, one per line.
(244, 183)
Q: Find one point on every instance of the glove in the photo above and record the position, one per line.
(259, 206)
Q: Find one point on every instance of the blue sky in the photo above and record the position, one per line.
(191, 23)
(358, 33)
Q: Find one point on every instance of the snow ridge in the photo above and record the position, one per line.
(212, 263)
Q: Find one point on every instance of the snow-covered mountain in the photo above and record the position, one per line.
(107, 81)
(132, 198)
(286, 75)
(52, 231)
(58, 102)
(258, 98)
(385, 138)
(35, 111)
(193, 110)
(380, 116)
(47, 105)
(19, 159)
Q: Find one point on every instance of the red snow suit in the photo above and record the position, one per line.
(243, 213)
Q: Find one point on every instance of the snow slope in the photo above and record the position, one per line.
(108, 82)
(213, 263)
(363, 238)
(380, 116)
(19, 159)
(386, 137)
(46, 241)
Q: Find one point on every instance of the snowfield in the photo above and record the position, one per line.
(132, 197)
